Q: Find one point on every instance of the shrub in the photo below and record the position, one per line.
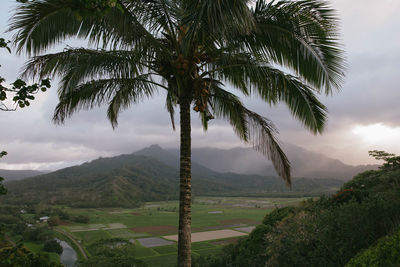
(385, 253)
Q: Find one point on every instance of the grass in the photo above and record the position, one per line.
(54, 257)
(142, 252)
(124, 233)
(161, 261)
(35, 247)
(207, 252)
(202, 245)
(90, 237)
(166, 249)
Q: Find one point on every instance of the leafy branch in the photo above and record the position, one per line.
(23, 93)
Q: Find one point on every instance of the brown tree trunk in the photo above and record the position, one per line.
(184, 235)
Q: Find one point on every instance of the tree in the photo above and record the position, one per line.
(3, 189)
(52, 246)
(190, 49)
(23, 93)
(392, 161)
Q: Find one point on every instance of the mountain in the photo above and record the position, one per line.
(150, 174)
(172, 159)
(14, 175)
(248, 161)
(124, 181)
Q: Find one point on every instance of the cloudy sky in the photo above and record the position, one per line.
(364, 115)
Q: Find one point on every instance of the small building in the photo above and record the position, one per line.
(44, 218)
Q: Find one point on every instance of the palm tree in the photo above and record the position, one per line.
(284, 51)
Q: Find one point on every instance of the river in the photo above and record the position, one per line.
(68, 257)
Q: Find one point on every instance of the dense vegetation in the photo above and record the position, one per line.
(385, 253)
(129, 180)
(112, 252)
(19, 234)
(329, 231)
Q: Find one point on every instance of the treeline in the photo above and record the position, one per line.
(346, 229)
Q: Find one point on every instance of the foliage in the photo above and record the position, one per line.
(112, 252)
(81, 219)
(3, 189)
(277, 215)
(37, 234)
(330, 231)
(52, 246)
(23, 93)
(17, 256)
(386, 252)
(391, 160)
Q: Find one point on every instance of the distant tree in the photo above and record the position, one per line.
(3, 189)
(54, 221)
(81, 219)
(391, 160)
(53, 246)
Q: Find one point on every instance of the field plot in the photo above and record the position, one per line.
(246, 229)
(95, 227)
(156, 230)
(124, 233)
(210, 235)
(150, 242)
(216, 221)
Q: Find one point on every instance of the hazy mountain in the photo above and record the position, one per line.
(14, 175)
(172, 159)
(124, 180)
(248, 161)
(148, 175)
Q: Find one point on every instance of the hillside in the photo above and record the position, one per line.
(247, 161)
(15, 175)
(128, 180)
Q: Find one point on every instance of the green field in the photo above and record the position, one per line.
(157, 219)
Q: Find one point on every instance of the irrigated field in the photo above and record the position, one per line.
(153, 227)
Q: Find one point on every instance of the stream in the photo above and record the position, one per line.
(68, 257)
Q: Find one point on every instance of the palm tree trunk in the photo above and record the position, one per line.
(184, 235)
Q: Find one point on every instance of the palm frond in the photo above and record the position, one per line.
(40, 25)
(273, 85)
(170, 104)
(215, 21)
(120, 93)
(302, 36)
(251, 128)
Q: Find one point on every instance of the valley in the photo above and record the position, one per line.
(152, 228)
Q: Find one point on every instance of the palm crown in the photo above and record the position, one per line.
(192, 49)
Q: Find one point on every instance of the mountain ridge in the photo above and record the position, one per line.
(128, 180)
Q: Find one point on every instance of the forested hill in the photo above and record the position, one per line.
(147, 175)
(14, 175)
(124, 180)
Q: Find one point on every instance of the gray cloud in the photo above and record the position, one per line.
(369, 96)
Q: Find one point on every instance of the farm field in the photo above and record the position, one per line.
(216, 221)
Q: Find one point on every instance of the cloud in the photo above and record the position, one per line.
(369, 96)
